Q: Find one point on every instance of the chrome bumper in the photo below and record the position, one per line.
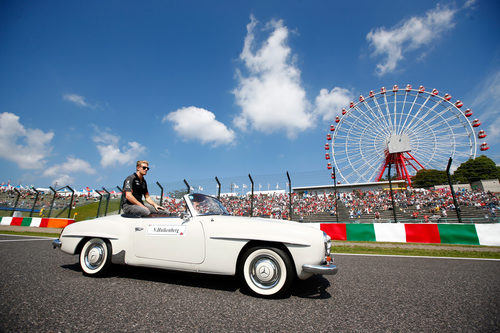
(56, 243)
(326, 269)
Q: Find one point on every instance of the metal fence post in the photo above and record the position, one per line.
(17, 200)
(121, 199)
(34, 202)
(188, 187)
(53, 199)
(455, 202)
(218, 189)
(290, 196)
(71, 202)
(107, 201)
(392, 196)
(99, 206)
(251, 196)
(161, 194)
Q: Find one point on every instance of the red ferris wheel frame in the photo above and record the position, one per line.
(400, 161)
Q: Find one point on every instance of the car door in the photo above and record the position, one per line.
(169, 239)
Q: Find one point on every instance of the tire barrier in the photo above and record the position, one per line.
(38, 222)
(464, 234)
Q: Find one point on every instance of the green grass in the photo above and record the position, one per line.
(89, 211)
(435, 251)
(29, 233)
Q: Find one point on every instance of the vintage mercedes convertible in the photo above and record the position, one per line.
(267, 254)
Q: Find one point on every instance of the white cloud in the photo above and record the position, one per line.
(485, 106)
(77, 99)
(63, 180)
(106, 138)
(193, 123)
(112, 154)
(72, 165)
(493, 131)
(28, 148)
(469, 3)
(62, 173)
(409, 35)
(330, 103)
(271, 97)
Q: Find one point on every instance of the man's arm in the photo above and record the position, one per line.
(132, 199)
(152, 203)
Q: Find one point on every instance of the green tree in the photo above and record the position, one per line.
(429, 177)
(480, 168)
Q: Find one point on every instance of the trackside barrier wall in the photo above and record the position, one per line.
(466, 234)
(38, 222)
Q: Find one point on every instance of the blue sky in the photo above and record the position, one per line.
(223, 88)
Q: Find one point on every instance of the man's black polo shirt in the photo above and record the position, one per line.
(136, 186)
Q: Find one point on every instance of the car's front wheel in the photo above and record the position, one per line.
(95, 257)
(267, 271)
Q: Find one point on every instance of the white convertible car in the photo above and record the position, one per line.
(267, 254)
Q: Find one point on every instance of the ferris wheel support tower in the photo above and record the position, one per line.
(398, 154)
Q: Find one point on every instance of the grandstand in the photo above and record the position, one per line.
(341, 188)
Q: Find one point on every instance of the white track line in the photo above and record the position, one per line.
(23, 240)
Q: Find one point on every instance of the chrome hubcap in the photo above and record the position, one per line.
(265, 272)
(94, 256)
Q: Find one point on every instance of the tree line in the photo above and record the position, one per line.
(480, 168)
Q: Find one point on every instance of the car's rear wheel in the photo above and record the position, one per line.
(95, 257)
(267, 271)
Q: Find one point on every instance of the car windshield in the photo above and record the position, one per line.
(206, 205)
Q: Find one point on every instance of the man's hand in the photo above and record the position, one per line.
(158, 207)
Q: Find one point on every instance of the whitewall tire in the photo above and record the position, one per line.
(267, 271)
(95, 257)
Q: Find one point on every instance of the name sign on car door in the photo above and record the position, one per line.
(165, 229)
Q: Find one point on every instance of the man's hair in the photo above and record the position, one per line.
(138, 164)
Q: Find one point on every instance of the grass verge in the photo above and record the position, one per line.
(28, 233)
(459, 252)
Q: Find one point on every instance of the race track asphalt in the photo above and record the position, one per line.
(43, 290)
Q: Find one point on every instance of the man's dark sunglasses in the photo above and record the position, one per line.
(145, 168)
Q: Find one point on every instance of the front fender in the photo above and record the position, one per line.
(111, 228)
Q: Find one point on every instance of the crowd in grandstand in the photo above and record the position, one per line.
(359, 203)
(420, 201)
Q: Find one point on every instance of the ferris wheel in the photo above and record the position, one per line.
(407, 129)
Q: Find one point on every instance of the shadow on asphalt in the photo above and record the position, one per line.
(73, 267)
(312, 288)
(207, 281)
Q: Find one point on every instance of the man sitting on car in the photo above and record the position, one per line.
(134, 187)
